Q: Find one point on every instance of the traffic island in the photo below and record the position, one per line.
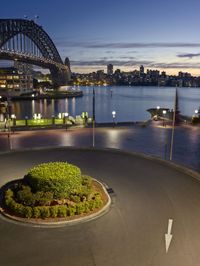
(54, 193)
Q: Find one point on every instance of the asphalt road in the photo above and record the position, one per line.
(147, 194)
(152, 140)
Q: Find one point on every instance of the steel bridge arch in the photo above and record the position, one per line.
(9, 28)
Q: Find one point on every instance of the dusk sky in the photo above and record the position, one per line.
(158, 34)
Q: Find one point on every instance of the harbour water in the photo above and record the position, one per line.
(130, 103)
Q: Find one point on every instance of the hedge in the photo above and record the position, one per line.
(59, 178)
(44, 212)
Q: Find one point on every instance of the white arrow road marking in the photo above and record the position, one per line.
(168, 236)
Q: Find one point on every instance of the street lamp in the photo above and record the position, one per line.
(196, 111)
(13, 117)
(66, 116)
(164, 113)
(113, 115)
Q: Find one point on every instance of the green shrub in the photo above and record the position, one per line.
(18, 209)
(62, 211)
(36, 212)
(86, 180)
(9, 194)
(80, 208)
(92, 204)
(53, 211)
(8, 201)
(25, 196)
(55, 177)
(75, 198)
(98, 203)
(43, 198)
(71, 210)
(87, 207)
(27, 212)
(85, 192)
(44, 212)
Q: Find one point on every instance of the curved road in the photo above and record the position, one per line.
(147, 194)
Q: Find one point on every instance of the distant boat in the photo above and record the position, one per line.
(196, 117)
(166, 113)
(161, 113)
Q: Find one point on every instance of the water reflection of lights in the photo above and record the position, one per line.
(53, 106)
(112, 138)
(33, 106)
(67, 140)
(73, 106)
(45, 108)
(194, 135)
(66, 105)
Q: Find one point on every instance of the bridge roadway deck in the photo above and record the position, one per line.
(147, 194)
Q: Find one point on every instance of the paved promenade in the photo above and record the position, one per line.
(147, 195)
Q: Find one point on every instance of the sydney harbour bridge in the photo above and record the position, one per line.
(26, 41)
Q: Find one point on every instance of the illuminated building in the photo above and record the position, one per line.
(15, 83)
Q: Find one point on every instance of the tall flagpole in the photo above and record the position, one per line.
(173, 127)
(93, 119)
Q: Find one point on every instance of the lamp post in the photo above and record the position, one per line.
(13, 117)
(53, 119)
(173, 127)
(26, 121)
(66, 116)
(113, 115)
(93, 119)
(164, 113)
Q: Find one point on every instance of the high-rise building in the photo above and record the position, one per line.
(141, 70)
(100, 74)
(110, 69)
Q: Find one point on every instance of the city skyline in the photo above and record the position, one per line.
(94, 34)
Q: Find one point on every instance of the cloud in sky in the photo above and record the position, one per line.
(175, 65)
(135, 63)
(104, 62)
(60, 42)
(189, 55)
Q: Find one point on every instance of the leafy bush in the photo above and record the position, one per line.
(9, 194)
(71, 211)
(44, 212)
(62, 211)
(43, 198)
(25, 196)
(75, 198)
(86, 181)
(87, 207)
(55, 177)
(53, 211)
(36, 212)
(25, 201)
(28, 211)
(80, 208)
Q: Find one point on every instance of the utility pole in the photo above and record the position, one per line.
(173, 127)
